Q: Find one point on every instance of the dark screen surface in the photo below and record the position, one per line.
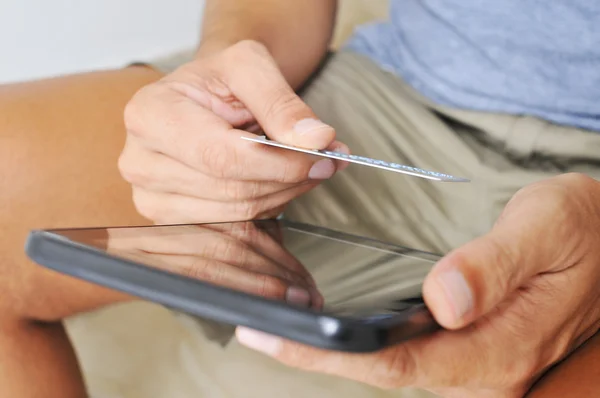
(345, 275)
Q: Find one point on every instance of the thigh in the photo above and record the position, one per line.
(59, 144)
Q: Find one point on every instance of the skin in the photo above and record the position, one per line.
(513, 303)
(239, 256)
(47, 128)
(253, 56)
(46, 131)
(182, 174)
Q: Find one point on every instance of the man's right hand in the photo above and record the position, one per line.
(184, 155)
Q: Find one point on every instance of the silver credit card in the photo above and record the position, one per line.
(380, 164)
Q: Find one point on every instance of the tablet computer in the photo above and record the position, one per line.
(302, 282)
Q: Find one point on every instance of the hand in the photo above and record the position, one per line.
(239, 256)
(512, 303)
(184, 156)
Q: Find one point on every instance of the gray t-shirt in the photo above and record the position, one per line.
(534, 57)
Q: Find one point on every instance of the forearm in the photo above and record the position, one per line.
(297, 33)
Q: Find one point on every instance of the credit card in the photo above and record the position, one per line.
(380, 164)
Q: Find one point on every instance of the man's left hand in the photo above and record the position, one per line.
(512, 303)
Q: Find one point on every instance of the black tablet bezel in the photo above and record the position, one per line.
(50, 249)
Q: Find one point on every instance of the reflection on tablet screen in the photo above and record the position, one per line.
(342, 274)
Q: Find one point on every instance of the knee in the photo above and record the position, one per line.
(29, 185)
(16, 167)
(59, 144)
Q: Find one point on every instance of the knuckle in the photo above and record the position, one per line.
(291, 173)
(394, 368)
(135, 112)
(223, 248)
(301, 357)
(146, 204)
(236, 190)
(590, 189)
(247, 209)
(555, 200)
(232, 249)
(197, 269)
(293, 278)
(281, 101)
(132, 172)
(132, 115)
(250, 234)
(218, 159)
(557, 193)
(124, 166)
(210, 248)
(150, 107)
(270, 286)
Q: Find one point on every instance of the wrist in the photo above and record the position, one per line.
(295, 71)
(210, 47)
(217, 41)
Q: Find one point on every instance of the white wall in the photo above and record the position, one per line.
(40, 38)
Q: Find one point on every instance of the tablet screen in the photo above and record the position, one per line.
(280, 260)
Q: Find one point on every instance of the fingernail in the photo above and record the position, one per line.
(297, 296)
(322, 170)
(341, 148)
(259, 341)
(457, 291)
(309, 126)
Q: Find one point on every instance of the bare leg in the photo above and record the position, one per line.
(59, 144)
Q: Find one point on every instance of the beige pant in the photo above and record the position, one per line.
(140, 350)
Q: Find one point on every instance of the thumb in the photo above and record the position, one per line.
(474, 279)
(282, 114)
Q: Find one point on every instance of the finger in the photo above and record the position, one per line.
(342, 148)
(492, 269)
(445, 359)
(246, 276)
(278, 109)
(266, 245)
(261, 242)
(473, 279)
(226, 275)
(199, 241)
(164, 121)
(390, 368)
(336, 146)
(165, 208)
(203, 242)
(157, 172)
(246, 255)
